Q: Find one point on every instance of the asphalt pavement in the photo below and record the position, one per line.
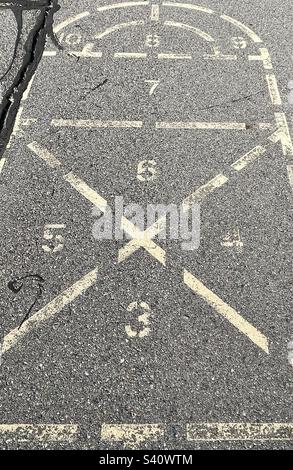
(140, 343)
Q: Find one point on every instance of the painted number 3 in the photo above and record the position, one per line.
(143, 320)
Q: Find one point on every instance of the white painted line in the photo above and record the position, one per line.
(282, 134)
(123, 5)
(2, 163)
(188, 6)
(87, 52)
(17, 126)
(44, 154)
(174, 56)
(274, 90)
(240, 126)
(118, 27)
(70, 20)
(82, 188)
(190, 28)
(38, 432)
(212, 432)
(290, 174)
(93, 124)
(132, 435)
(243, 28)
(28, 88)
(226, 311)
(196, 197)
(51, 309)
(130, 55)
(138, 237)
(199, 194)
(155, 13)
(249, 157)
(49, 53)
(264, 57)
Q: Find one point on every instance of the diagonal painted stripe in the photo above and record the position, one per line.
(51, 309)
(2, 163)
(249, 157)
(44, 154)
(226, 311)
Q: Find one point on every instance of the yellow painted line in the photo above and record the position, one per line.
(123, 5)
(49, 53)
(28, 88)
(188, 6)
(70, 20)
(91, 195)
(38, 432)
(155, 13)
(2, 163)
(139, 237)
(274, 90)
(44, 154)
(282, 134)
(199, 194)
(51, 309)
(226, 311)
(174, 56)
(130, 55)
(17, 126)
(249, 157)
(190, 28)
(132, 435)
(93, 124)
(87, 52)
(264, 57)
(212, 432)
(118, 27)
(243, 28)
(240, 126)
(290, 174)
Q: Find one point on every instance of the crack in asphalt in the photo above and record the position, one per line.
(33, 51)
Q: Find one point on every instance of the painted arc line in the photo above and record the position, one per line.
(188, 6)
(212, 432)
(93, 124)
(241, 126)
(249, 157)
(123, 5)
(226, 311)
(39, 432)
(243, 28)
(118, 27)
(51, 309)
(70, 20)
(274, 90)
(132, 434)
(190, 28)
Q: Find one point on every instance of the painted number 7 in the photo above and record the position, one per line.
(154, 84)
